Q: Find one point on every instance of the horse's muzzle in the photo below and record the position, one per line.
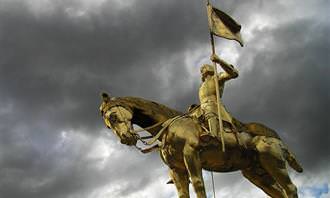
(128, 140)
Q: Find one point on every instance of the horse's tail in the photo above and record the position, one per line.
(292, 161)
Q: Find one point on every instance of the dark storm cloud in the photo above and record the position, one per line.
(63, 61)
(53, 67)
(54, 64)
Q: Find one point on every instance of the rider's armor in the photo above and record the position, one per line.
(208, 100)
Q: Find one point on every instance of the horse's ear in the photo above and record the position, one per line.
(105, 96)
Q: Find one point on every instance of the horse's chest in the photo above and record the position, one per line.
(172, 157)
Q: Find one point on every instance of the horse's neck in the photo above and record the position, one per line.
(145, 120)
(147, 113)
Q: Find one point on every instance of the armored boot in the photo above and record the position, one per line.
(213, 126)
(213, 129)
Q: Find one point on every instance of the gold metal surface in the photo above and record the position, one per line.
(185, 139)
(263, 161)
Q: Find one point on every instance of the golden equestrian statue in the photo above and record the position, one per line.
(262, 160)
(207, 136)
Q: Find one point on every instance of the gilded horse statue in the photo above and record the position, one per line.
(262, 157)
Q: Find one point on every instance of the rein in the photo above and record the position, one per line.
(153, 138)
(142, 139)
(149, 127)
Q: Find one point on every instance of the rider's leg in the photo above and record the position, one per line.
(213, 126)
(181, 181)
(231, 137)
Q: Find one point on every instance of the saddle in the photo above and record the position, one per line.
(236, 126)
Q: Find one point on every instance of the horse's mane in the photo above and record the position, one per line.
(146, 108)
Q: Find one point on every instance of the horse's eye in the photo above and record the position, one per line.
(113, 118)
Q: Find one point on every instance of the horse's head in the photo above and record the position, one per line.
(118, 118)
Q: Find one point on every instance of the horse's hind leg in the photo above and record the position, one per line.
(181, 181)
(272, 160)
(264, 181)
(282, 177)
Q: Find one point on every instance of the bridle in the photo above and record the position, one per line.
(135, 132)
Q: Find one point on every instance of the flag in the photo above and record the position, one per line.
(223, 25)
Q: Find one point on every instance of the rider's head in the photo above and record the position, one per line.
(206, 70)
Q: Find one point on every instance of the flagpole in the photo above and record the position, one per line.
(217, 90)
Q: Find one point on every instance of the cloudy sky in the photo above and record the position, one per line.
(56, 56)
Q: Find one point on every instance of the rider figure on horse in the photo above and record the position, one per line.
(208, 98)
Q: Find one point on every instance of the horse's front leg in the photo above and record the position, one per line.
(181, 181)
(194, 167)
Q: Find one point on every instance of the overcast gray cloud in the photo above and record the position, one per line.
(57, 56)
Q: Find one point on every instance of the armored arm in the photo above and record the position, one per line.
(230, 71)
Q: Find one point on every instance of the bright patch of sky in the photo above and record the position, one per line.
(157, 187)
(313, 185)
(101, 152)
(321, 191)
